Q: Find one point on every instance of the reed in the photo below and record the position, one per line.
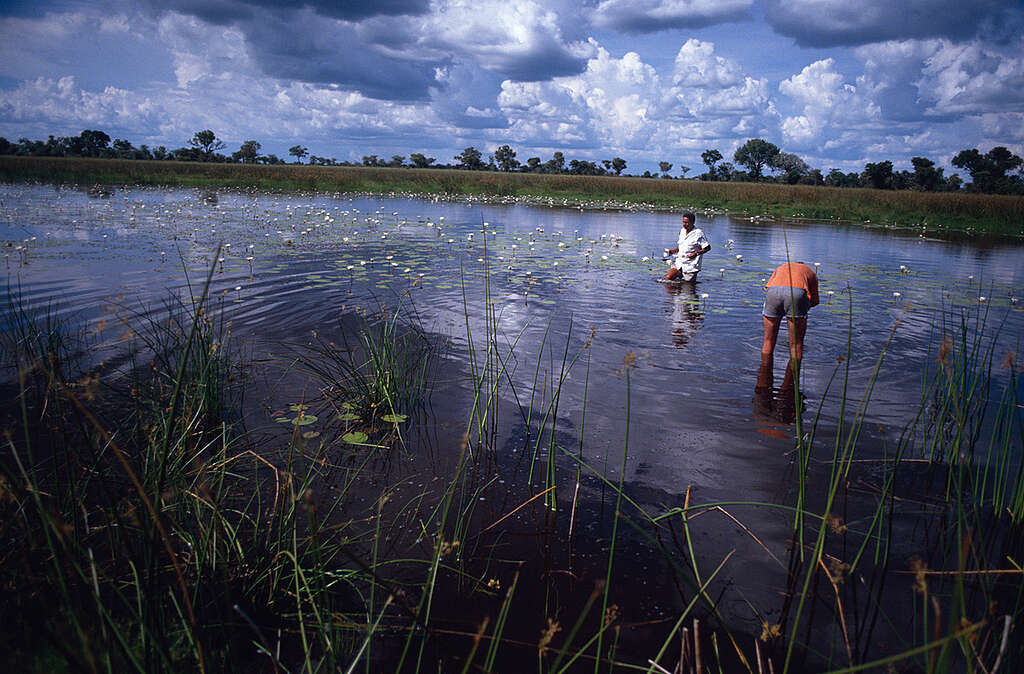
(162, 535)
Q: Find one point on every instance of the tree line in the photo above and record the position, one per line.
(997, 171)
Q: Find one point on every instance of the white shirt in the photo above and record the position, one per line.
(694, 242)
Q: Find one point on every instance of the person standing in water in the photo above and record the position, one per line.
(689, 249)
(791, 291)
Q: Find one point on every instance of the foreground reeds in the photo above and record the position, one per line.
(932, 213)
(147, 529)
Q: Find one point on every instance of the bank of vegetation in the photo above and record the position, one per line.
(932, 213)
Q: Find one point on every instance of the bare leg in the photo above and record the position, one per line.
(771, 334)
(671, 274)
(797, 329)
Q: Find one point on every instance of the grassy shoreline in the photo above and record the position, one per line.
(936, 213)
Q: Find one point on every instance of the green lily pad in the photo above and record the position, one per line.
(355, 437)
(394, 418)
(309, 435)
(304, 419)
(298, 407)
(348, 406)
(282, 420)
(348, 416)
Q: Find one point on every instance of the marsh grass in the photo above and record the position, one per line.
(161, 535)
(934, 213)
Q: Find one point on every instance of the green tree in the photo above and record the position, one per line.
(877, 175)
(618, 165)
(556, 164)
(371, 160)
(755, 154)
(298, 152)
(207, 143)
(397, 160)
(988, 171)
(710, 158)
(665, 168)
(94, 143)
(926, 176)
(792, 167)
(470, 158)
(683, 170)
(248, 153)
(505, 158)
(419, 160)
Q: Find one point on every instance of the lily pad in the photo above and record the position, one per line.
(304, 419)
(348, 416)
(355, 437)
(394, 418)
(309, 435)
(282, 420)
(298, 407)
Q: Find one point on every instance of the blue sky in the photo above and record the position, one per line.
(837, 82)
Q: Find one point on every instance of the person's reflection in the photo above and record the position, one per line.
(687, 315)
(774, 409)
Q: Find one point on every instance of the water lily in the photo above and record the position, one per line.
(739, 257)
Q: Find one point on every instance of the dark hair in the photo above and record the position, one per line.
(689, 214)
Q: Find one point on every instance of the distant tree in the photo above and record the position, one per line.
(397, 160)
(988, 171)
(556, 164)
(160, 152)
(926, 177)
(725, 171)
(581, 167)
(953, 183)
(607, 164)
(371, 160)
(6, 146)
(665, 167)
(533, 164)
(248, 153)
(710, 158)
(470, 158)
(755, 154)
(123, 149)
(618, 165)
(792, 167)
(207, 143)
(877, 175)
(683, 170)
(94, 143)
(272, 159)
(419, 160)
(813, 177)
(505, 158)
(298, 152)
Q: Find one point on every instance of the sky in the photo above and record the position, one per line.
(837, 82)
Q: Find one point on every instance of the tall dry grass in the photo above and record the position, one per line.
(934, 212)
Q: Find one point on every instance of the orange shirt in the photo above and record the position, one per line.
(796, 275)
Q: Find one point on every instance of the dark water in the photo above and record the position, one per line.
(695, 420)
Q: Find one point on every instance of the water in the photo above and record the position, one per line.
(561, 280)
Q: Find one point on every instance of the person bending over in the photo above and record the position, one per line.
(791, 291)
(689, 249)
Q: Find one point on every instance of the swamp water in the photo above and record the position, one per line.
(595, 365)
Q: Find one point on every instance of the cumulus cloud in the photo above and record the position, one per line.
(828, 105)
(626, 104)
(823, 23)
(648, 16)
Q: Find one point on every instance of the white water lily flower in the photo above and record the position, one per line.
(704, 296)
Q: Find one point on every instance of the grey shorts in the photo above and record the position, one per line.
(785, 301)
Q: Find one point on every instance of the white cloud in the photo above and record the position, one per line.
(523, 40)
(828, 105)
(698, 66)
